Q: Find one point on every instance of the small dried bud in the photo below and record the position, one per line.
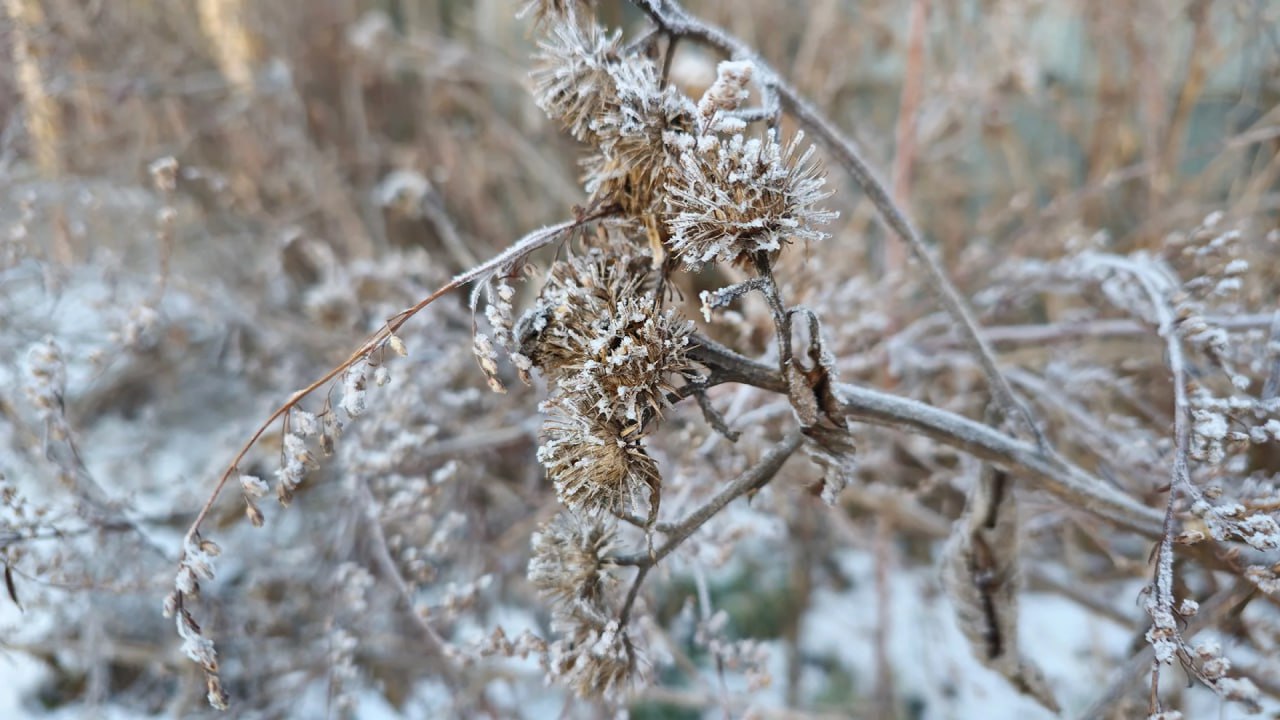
(305, 423)
(218, 698)
(487, 358)
(164, 173)
(253, 486)
(254, 513)
(353, 389)
(397, 346)
(729, 90)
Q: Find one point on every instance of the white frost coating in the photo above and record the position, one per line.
(354, 384)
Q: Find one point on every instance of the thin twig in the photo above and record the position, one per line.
(387, 564)
(1162, 587)
(677, 533)
(751, 480)
(1041, 334)
(1271, 388)
(905, 133)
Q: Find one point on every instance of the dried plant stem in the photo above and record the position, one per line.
(43, 120)
(677, 22)
(882, 549)
(1054, 474)
(1271, 387)
(781, 318)
(1162, 587)
(527, 244)
(386, 563)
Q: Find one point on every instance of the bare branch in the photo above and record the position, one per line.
(1052, 473)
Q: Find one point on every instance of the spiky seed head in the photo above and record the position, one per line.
(597, 465)
(736, 197)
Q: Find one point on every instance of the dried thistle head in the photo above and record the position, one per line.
(573, 76)
(597, 331)
(569, 563)
(636, 157)
(595, 463)
(597, 660)
(617, 103)
(738, 197)
(578, 290)
(632, 355)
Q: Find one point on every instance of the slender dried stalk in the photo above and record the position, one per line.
(1162, 587)
(905, 132)
(43, 119)
(1212, 611)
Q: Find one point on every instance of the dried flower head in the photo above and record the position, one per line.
(595, 464)
(596, 660)
(569, 563)
(597, 331)
(636, 159)
(733, 198)
(573, 76)
(578, 290)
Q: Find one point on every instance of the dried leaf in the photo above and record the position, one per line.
(982, 578)
(11, 587)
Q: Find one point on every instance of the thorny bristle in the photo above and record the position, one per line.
(555, 13)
